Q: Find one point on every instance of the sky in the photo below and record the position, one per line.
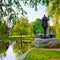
(32, 14)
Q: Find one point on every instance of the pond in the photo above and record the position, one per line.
(11, 50)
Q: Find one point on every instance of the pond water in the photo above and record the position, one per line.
(10, 55)
(12, 50)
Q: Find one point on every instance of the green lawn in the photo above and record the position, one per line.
(37, 54)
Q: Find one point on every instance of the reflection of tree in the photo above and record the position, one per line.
(2, 49)
(17, 48)
(26, 44)
(4, 45)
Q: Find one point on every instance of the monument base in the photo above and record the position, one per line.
(44, 37)
(50, 42)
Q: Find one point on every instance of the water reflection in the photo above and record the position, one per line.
(4, 45)
(26, 44)
(10, 55)
(12, 51)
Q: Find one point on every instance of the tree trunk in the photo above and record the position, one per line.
(21, 41)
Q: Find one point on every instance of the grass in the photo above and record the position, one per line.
(37, 54)
(14, 38)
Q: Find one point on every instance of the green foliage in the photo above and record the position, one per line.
(6, 5)
(54, 12)
(38, 54)
(21, 26)
(3, 28)
(34, 3)
(31, 29)
(37, 26)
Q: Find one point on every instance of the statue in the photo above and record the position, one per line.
(45, 25)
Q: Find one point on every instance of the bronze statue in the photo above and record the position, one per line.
(45, 25)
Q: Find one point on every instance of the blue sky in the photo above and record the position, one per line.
(32, 14)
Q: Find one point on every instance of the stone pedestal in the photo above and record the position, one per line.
(50, 42)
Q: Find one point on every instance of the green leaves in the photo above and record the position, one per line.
(3, 28)
(45, 2)
(17, 4)
(20, 28)
(6, 7)
(37, 26)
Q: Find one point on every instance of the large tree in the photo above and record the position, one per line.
(21, 26)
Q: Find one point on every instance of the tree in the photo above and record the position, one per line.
(54, 12)
(37, 26)
(2, 49)
(21, 26)
(31, 29)
(6, 6)
(3, 28)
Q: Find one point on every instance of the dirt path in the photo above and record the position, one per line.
(54, 49)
